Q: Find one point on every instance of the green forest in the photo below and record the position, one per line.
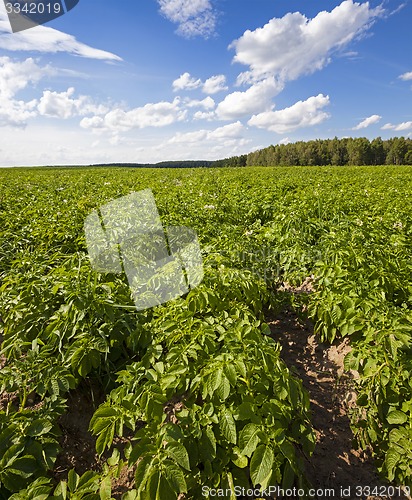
(347, 151)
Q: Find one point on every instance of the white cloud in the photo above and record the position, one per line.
(93, 123)
(285, 140)
(222, 142)
(63, 105)
(158, 114)
(45, 39)
(186, 82)
(255, 99)
(232, 131)
(14, 77)
(16, 113)
(215, 84)
(398, 9)
(189, 137)
(204, 115)
(367, 121)
(403, 126)
(399, 127)
(193, 17)
(206, 103)
(406, 76)
(212, 85)
(301, 114)
(294, 45)
(350, 54)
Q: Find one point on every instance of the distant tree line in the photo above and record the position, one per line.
(348, 151)
(161, 164)
(233, 161)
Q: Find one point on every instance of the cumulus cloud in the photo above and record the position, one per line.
(221, 142)
(45, 39)
(255, 99)
(189, 137)
(294, 45)
(204, 115)
(18, 75)
(158, 114)
(226, 140)
(208, 144)
(212, 85)
(193, 17)
(186, 82)
(231, 131)
(63, 105)
(206, 103)
(285, 141)
(301, 114)
(406, 76)
(15, 113)
(367, 121)
(14, 77)
(399, 127)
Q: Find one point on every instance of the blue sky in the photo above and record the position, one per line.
(153, 80)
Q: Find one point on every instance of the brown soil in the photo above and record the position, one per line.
(336, 462)
(79, 445)
(8, 397)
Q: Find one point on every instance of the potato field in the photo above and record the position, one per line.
(193, 397)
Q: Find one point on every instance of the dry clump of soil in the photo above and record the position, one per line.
(3, 359)
(305, 287)
(336, 461)
(124, 483)
(8, 397)
(172, 407)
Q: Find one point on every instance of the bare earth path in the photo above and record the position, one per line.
(336, 462)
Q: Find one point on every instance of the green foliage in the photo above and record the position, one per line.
(28, 443)
(197, 391)
(89, 486)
